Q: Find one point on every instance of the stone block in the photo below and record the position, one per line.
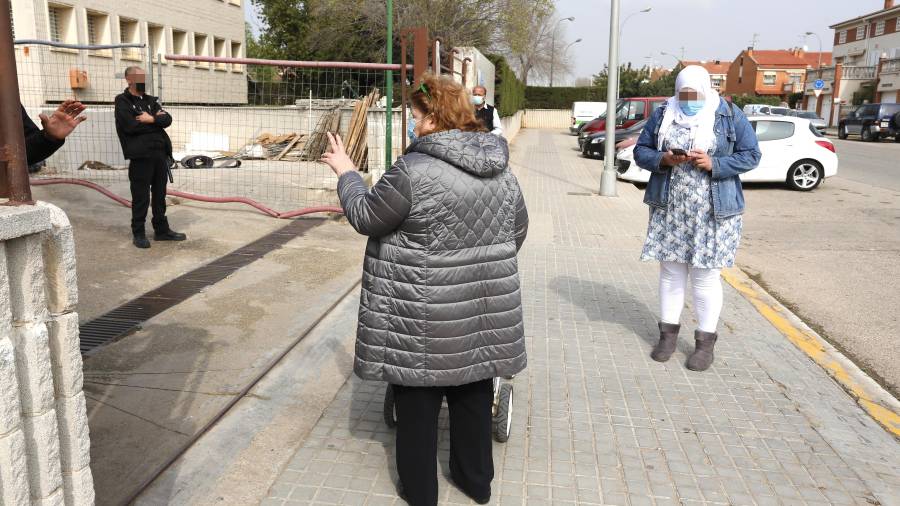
(25, 269)
(65, 355)
(78, 488)
(9, 389)
(13, 469)
(57, 498)
(5, 308)
(33, 369)
(74, 435)
(59, 262)
(23, 220)
(42, 451)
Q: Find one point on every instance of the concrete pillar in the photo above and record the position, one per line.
(44, 441)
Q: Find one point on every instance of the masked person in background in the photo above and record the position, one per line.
(695, 146)
(485, 113)
(141, 124)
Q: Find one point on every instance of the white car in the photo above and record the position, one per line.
(793, 151)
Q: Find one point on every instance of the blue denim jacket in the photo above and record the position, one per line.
(737, 152)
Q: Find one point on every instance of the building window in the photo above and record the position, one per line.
(842, 38)
(879, 27)
(156, 38)
(201, 48)
(860, 33)
(897, 28)
(61, 19)
(236, 52)
(98, 32)
(180, 44)
(769, 78)
(129, 33)
(219, 50)
(794, 78)
(716, 82)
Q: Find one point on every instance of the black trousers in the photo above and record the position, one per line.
(471, 460)
(148, 175)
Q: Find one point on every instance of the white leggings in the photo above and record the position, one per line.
(707, 288)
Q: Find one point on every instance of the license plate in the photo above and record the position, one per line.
(885, 124)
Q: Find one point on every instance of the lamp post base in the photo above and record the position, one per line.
(608, 184)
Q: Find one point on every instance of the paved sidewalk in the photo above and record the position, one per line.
(597, 421)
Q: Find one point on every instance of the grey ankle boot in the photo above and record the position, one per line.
(703, 354)
(668, 339)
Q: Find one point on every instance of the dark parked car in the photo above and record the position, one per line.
(595, 144)
(872, 122)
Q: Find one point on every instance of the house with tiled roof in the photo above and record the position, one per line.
(776, 73)
(718, 72)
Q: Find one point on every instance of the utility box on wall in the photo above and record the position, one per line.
(78, 79)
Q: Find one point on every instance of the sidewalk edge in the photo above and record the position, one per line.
(868, 394)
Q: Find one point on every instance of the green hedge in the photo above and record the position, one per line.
(509, 92)
(544, 97)
(742, 100)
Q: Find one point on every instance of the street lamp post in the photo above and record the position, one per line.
(663, 53)
(820, 45)
(608, 178)
(619, 40)
(565, 49)
(553, 45)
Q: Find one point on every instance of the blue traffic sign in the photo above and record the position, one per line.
(819, 84)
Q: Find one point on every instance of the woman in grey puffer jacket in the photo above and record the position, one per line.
(441, 311)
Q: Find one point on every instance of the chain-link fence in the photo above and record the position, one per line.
(241, 128)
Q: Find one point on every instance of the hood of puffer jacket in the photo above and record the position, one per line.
(480, 153)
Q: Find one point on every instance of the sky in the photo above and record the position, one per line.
(706, 29)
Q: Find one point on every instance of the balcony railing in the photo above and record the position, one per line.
(793, 87)
(825, 73)
(891, 66)
(863, 73)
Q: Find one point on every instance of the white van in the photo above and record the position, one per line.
(582, 112)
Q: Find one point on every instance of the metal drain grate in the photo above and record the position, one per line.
(128, 317)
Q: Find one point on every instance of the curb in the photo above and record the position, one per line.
(875, 400)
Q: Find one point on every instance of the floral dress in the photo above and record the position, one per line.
(686, 231)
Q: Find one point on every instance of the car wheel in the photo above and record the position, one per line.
(805, 175)
(842, 132)
(867, 135)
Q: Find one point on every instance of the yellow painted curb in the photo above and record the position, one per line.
(816, 348)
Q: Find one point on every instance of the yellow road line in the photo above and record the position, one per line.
(812, 345)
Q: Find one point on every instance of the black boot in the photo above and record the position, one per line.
(140, 241)
(169, 235)
(703, 354)
(668, 339)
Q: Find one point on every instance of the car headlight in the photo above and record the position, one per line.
(597, 140)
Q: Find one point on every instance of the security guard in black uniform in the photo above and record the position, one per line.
(140, 124)
(486, 113)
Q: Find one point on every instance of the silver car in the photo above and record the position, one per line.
(817, 122)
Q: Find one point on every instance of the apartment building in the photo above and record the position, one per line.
(777, 73)
(192, 27)
(718, 72)
(866, 57)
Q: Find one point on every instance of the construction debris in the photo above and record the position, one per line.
(311, 147)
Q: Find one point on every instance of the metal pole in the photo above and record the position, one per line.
(151, 80)
(159, 83)
(552, 54)
(608, 178)
(13, 158)
(403, 49)
(389, 88)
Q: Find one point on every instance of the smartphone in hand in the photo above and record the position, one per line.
(678, 152)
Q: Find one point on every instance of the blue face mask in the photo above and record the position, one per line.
(411, 128)
(692, 107)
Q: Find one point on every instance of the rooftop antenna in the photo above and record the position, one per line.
(755, 38)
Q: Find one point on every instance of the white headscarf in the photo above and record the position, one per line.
(703, 123)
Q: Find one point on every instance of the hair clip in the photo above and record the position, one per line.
(424, 89)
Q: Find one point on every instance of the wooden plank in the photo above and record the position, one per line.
(288, 147)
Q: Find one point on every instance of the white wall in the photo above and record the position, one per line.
(480, 71)
(44, 73)
(547, 118)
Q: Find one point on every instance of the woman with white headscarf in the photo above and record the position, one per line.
(696, 146)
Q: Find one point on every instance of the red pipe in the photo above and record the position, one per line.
(286, 63)
(200, 198)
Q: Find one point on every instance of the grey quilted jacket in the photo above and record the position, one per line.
(440, 302)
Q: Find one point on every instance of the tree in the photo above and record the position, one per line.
(534, 39)
(640, 82)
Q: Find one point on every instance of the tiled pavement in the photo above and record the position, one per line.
(598, 422)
